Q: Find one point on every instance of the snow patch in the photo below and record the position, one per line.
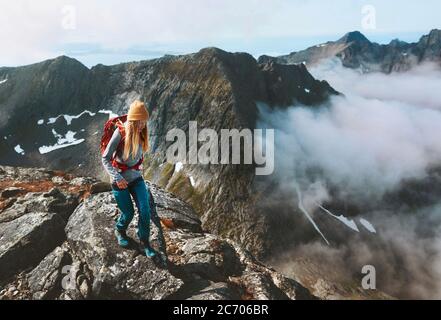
(193, 183)
(19, 150)
(369, 227)
(40, 122)
(63, 142)
(349, 223)
(69, 118)
(307, 215)
(307, 90)
(178, 167)
(3, 81)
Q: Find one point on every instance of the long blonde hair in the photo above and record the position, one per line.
(133, 137)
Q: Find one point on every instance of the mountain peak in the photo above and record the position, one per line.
(222, 54)
(435, 35)
(67, 60)
(212, 52)
(431, 39)
(354, 36)
(397, 42)
(435, 32)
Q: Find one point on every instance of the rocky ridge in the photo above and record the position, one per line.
(357, 52)
(57, 242)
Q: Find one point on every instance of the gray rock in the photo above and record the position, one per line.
(205, 255)
(45, 279)
(52, 201)
(260, 282)
(76, 284)
(215, 291)
(79, 181)
(28, 239)
(117, 272)
(218, 268)
(291, 288)
(180, 213)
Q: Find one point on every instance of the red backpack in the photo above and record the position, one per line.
(109, 128)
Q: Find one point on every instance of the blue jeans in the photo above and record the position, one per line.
(139, 191)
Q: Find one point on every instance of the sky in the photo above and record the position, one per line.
(113, 31)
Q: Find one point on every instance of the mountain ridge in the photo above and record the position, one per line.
(51, 222)
(66, 106)
(356, 51)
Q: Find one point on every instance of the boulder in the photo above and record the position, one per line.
(27, 240)
(178, 213)
(45, 280)
(52, 201)
(118, 272)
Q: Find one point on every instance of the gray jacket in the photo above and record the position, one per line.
(128, 175)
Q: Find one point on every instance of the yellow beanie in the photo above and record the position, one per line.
(137, 111)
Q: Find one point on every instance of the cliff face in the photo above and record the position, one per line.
(58, 243)
(356, 51)
(53, 113)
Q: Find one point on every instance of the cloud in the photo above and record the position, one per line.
(406, 259)
(385, 129)
(419, 87)
(359, 149)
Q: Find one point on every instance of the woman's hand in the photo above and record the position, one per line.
(122, 184)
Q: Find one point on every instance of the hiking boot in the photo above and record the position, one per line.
(122, 238)
(148, 250)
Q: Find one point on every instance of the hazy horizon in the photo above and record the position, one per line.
(112, 32)
(109, 58)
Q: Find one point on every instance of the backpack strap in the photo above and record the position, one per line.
(122, 131)
(123, 167)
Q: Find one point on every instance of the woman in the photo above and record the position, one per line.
(130, 180)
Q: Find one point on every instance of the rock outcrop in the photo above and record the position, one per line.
(59, 244)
